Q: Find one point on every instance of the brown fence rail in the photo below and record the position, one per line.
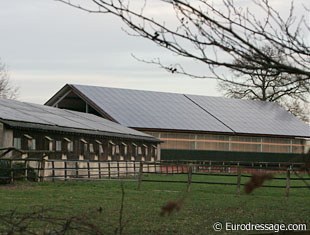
(51, 170)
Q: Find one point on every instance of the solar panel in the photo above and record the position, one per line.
(252, 117)
(152, 109)
(44, 115)
(159, 110)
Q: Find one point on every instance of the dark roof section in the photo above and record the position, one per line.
(170, 111)
(252, 116)
(33, 116)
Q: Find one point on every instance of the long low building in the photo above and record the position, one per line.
(196, 127)
(66, 134)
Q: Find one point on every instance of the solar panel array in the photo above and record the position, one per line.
(156, 110)
(159, 110)
(252, 117)
(11, 110)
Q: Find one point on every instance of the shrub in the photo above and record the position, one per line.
(19, 172)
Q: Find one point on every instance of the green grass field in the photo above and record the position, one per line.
(98, 203)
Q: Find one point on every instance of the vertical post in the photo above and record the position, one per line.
(99, 168)
(288, 181)
(53, 171)
(42, 170)
(126, 168)
(26, 169)
(109, 170)
(189, 180)
(238, 179)
(118, 173)
(88, 170)
(134, 168)
(66, 173)
(140, 175)
(76, 169)
(11, 171)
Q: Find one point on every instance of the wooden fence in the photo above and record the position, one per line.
(51, 170)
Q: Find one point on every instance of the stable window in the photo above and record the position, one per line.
(125, 148)
(58, 145)
(69, 145)
(49, 143)
(134, 149)
(154, 151)
(31, 143)
(17, 143)
(100, 148)
(112, 147)
(145, 149)
(117, 149)
(85, 146)
(91, 148)
(139, 150)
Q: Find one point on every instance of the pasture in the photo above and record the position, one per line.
(95, 207)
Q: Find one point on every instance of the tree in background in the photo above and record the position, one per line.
(7, 91)
(225, 36)
(216, 34)
(290, 91)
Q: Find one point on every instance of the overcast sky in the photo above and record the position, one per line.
(46, 44)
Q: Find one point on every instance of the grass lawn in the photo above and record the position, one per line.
(98, 203)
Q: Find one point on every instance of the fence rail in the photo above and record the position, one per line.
(51, 170)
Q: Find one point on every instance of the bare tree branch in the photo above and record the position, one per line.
(216, 35)
(7, 91)
(292, 92)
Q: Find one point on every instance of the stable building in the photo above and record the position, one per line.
(65, 134)
(196, 127)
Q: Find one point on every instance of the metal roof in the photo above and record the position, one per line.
(170, 111)
(26, 115)
(154, 110)
(252, 116)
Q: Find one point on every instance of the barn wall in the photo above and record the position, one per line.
(86, 147)
(1, 134)
(7, 137)
(172, 154)
(216, 142)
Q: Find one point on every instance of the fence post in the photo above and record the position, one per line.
(76, 169)
(126, 168)
(189, 179)
(288, 181)
(210, 166)
(42, 170)
(99, 168)
(53, 171)
(26, 170)
(118, 170)
(238, 179)
(11, 171)
(88, 170)
(66, 170)
(134, 168)
(109, 170)
(140, 175)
